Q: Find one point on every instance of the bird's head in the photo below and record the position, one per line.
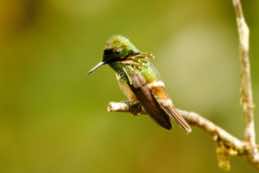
(117, 48)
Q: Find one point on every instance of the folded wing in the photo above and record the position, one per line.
(148, 101)
(160, 95)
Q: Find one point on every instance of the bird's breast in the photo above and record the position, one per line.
(125, 88)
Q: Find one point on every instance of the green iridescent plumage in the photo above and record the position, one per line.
(139, 80)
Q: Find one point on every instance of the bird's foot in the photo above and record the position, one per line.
(134, 107)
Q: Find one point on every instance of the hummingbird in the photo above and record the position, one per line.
(139, 80)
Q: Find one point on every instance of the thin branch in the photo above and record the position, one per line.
(233, 145)
(195, 120)
(246, 94)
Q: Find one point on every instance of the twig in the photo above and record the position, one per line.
(195, 120)
(234, 145)
(246, 95)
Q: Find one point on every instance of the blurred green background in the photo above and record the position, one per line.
(53, 116)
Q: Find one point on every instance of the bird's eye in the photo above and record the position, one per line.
(108, 52)
(110, 55)
(117, 52)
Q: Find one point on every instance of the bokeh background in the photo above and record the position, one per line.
(53, 116)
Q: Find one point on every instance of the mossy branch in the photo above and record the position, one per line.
(246, 92)
(227, 144)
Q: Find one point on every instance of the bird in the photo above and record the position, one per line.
(139, 80)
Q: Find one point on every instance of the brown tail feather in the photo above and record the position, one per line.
(178, 118)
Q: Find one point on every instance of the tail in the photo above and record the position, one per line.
(180, 120)
(172, 112)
